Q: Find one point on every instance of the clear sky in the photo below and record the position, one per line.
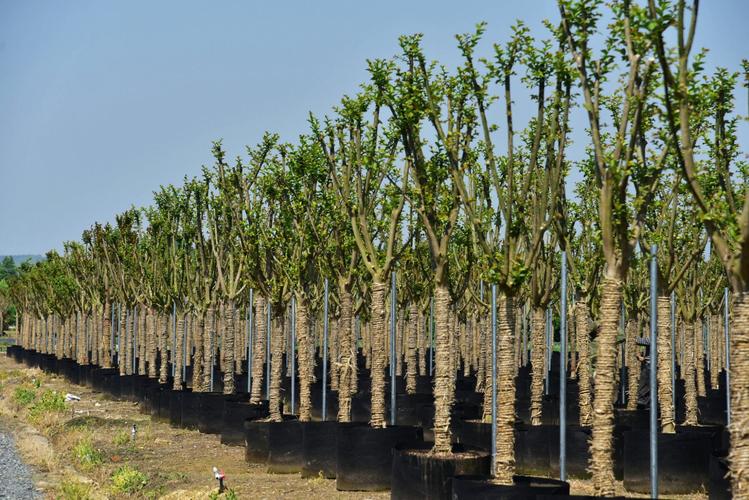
(103, 101)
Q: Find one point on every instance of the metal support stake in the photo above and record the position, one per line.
(494, 377)
(249, 340)
(325, 354)
(727, 332)
(563, 373)
(293, 354)
(393, 305)
(653, 379)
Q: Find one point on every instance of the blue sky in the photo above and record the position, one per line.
(101, 101)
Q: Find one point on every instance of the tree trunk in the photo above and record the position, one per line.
(444, 376)
(228, 347)
(106, 357)
(258, 349)
(333, 354)
(121, 341)
(411, 349)
(163, 331)
(276, 363)
(690, 385)
(633, 364)
(152, 341)
(601, 444)
(347, 356)
(421, 340)
(378, 335)
(304, 352)
(208, 348)
(486, 414)
(738, 455)
(142, 342)
(198, 327)
(714, 351)
(538, 348)
(582, 318)
(665, 394)
(504, 464)
(177, 350)
(572, 328)
(699, 357)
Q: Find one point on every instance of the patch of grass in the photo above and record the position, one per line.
(121, 438)
(86, 454)
(229, 494)
(48, 402)
(74, 490)
(24, 396)
(128, 480)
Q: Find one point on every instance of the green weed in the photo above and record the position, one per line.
(128, 480)
(73, 490)
(49, 401)
(121, 438)
(23, 396)
(86, 455)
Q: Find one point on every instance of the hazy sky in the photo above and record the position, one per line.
(101, 101)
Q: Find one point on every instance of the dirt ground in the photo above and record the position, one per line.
(85, 450)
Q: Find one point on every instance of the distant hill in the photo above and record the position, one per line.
(19, 259)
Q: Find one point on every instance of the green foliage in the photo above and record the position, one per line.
(121, 438)
(74, 490)
(24, 396)
(127, 479)
(86, 454)
(49, 401)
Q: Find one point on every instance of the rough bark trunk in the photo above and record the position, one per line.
(411, 349)
(177, 350)
(665, 399)
(121, 336)
(228, 347)
(347, 357)
(690, 382)
(198, 326)
(572, 327)
(152, 342)
(582, 318)
(699, 357)
(142, 342)
(739, 350)
(378, 335)
(208, 348)
(106, 359)
(162, 332)
(504, 464)
(258, 349)
(422, 343)
(276, 363)
(633, 364)
(304, 351)
(333, 354)
(538, 348)
(601, 444)
(444, 376)
(486, 414)
(714, 351)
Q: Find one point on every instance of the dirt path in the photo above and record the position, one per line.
(85, 450)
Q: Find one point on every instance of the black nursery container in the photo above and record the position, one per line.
(190, 409)
(256, 441)
(364, 455)
(419, 474)
(720, 486)
(524, 488)
(210, 412)
(234, 417)
(285, 447)
(319, 444)
(683, 460)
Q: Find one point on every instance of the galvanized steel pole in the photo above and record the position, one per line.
(325, 354)
(563, 373)
(653, 379)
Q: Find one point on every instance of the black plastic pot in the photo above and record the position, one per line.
(235, 414)
(419, 474)
(175, 408)
(364, 455)
(285, 447)
(719, 487)
(190, 408)
(525, 487)
(256, 441)
(683, 460)
(210, 412)
(319, 444)
(165, 404)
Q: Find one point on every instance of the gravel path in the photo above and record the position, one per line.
(16, 483)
